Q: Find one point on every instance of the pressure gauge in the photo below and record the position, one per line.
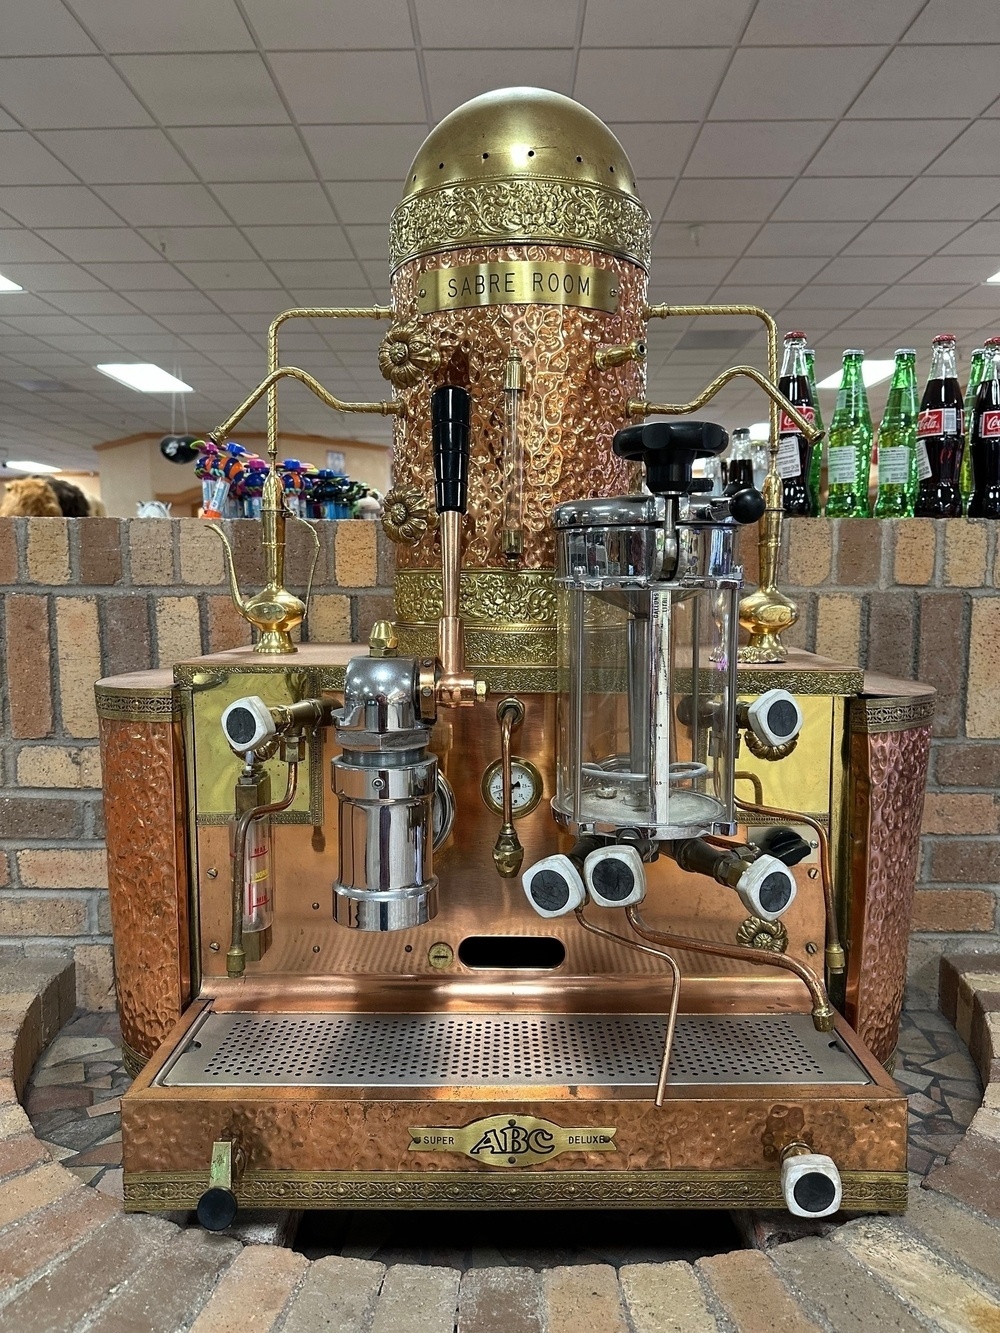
(526, 786)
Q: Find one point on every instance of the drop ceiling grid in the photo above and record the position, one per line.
(131, 147)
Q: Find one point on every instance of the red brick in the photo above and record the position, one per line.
(125, 634)
(943, 655)
(226, 627)
(892, 618)
(753, 1295)
(971, 1175)
(8, 552)
(299, 553)
(20, 1153)
(859, 555)
(29, 665)
(953, 910)
(962, 765)
(960, 812)
(245, 535)
(100, 542)
(168, 1294)
(369, 609)
(50, 1232)
(964, 861)
(40, 817)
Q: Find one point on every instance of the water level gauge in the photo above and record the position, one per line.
(526, 786)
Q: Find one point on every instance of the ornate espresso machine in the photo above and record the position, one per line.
(551, 896)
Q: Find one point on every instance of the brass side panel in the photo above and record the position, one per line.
(144, 803)
(889, 749)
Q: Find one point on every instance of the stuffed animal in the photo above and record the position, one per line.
(29, 497)
(152, 509)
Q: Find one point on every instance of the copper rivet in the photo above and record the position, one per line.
(315, 907)
(315, 948)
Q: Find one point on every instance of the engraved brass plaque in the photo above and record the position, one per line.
(512, 1140)
(519, 282)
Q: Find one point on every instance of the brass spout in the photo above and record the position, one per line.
(823, 1013)
(455, 689)
(508, 852)
(619, 354)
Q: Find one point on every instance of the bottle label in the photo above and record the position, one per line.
(939, 421)
(841, 466)
(924, 469)
(786, 426)
(894, 466)
(789, 464)
(989, 426)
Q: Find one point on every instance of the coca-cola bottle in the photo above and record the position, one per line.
(979, 366)
(985, 435)
(794, 450)
(940, 436)
(739, 470)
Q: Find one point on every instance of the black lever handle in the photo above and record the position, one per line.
(668, 450)
(450, 434)
(746, 505)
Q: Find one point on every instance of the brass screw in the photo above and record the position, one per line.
(215, 946)
(813, 873)
(212, 873)
(315, 907)
(315, 948)
(812, 948)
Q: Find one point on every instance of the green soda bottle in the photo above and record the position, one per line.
(897, 441)
(849, 449)
(977, 371)
(816, 461)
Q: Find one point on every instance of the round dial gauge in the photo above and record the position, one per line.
(526, 786)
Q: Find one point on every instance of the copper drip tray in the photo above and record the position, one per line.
(290, 1050)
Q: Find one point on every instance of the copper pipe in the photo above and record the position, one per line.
(508, 852)
(834, 952)
(822, 1011)
(675, 995)
(236, 960)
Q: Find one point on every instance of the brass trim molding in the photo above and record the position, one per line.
(864, 1191)
(509, 211)
(871, 716)
(132, 1060)
(137, 705)
(496, 599)
(750, 680)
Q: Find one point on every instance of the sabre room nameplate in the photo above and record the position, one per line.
(518, 282)
(512, 1140)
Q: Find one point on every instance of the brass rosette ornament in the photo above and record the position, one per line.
(406, 515)
(407, 355)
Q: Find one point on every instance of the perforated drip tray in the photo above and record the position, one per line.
(227, 1050)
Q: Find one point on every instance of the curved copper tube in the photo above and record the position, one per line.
(823, 1013)
(236, 961)
(641, 407)
(675, 995)
(834, 952)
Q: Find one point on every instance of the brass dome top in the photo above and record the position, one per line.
(529, 133)
(520, 164)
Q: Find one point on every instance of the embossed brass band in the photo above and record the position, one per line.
(137, 705)
(518, 282)
(871, 716)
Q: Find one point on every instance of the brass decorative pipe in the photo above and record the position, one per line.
(236, 959)
(508, 852)
(823, 1013)
(675, 994)
(221, 432)
(641, 407)
(834, 952)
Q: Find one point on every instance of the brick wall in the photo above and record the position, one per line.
(84, 598)
(89, 597)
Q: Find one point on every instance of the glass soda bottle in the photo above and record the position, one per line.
(940, 436)
(977, 369)
(849, 450)
(985, 436)
(794, 450)
(897, 441)
(816, 461)
(739, 473)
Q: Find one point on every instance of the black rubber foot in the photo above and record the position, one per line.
(217, 1209)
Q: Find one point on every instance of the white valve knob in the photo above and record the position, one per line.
(811, 1185)
(615, 876)
(768, 888)
(247, 723)
(553, 886)
(774, 717)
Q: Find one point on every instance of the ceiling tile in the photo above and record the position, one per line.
(24, 161)
(42, 28)
(718, 200)
(121, 326)
(170, 302)
(316, 25)
(666, 23)
(803, 238)
(872, 147)
(327, 272)
(40, 325)
(972, 152)
(217, 322)
(963, 269)
(982, 238)
(268, 153)
(182, 25)
(821, 199)
(705, 240)
(53, 277)
(817, 83)
(789, 269)
(263, 303)
(292, 202)
(162, 205)
(762, 148)
(18, 245)
(915, 296)
(187, 243)
(72, 92)
(819, 23)
(364, 152)
(656, 151)
(902, 238)
(942, 22)
(515, 23)
(91, 303)
(138, 277)
(114, 156)
(943, 198)
(55, 205)
(921, 81)
(299, 242)
(626, 85)
(366, 201)
(205, 89)
(221, 274)
(89, 244)
(336, 87)
(692, 270)
(455, 80)
(866, 269)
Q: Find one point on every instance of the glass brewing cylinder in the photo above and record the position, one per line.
(646, 673)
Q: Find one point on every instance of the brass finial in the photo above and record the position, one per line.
(382, 641)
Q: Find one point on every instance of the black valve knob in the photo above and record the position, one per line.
(746, 505)
(668, 450)
(450, 434)
(785, 845)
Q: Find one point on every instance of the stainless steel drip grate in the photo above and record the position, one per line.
(496, 1050)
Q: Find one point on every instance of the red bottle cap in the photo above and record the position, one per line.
(991, 342)
(795, 334)
(943, 338)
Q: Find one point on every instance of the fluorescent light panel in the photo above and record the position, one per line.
(144, 377)
(23, 465)
(7, 285)
(760, 431)
(872, 372)
(994, 278)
